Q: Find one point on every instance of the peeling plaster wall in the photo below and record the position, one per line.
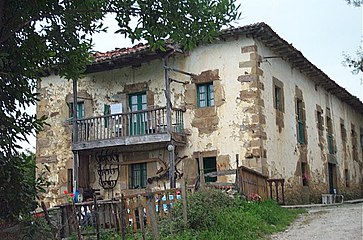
(283, 151)
(242, 122)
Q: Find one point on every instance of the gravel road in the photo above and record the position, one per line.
(330, 223)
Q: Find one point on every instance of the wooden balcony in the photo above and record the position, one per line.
(125, 129)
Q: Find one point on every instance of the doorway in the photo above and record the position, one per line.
(332, 177)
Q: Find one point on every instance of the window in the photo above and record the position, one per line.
(80, 110)
(106, 111)
(319, 116)
(210, 165)
(354, 143)
(205, 95)
(343, 132)
(329, 125)
(138, 175)
(300, 122)
(278, 100)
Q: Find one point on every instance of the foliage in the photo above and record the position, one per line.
(37, 36)
(356, 3)
(36, 228)
(355, 63)
(215, 215)
(19, 186)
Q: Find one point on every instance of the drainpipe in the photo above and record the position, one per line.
(170, 147)
(75, 136)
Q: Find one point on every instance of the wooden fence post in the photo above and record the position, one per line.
(75, 221)
(141, 216)
(184, 199)
(96, 215)
(201, 170)
(123, 217)
(150, 203)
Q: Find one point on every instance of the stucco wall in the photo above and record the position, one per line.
(283, 151)
(241, 124)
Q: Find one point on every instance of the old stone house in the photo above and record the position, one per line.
(250, 99)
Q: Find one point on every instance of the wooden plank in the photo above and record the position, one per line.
(201, 170)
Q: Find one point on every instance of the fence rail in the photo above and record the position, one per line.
(277, 189)
(251, 182)
(128, 212)
(144, 122)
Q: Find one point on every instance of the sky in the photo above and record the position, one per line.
(321, 29)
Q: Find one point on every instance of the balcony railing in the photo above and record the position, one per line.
(145, 122)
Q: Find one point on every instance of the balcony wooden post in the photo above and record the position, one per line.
(168, 122)
(75, 136)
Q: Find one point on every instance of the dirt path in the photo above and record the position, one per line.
(330, 223)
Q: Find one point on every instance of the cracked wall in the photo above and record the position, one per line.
(243, 121)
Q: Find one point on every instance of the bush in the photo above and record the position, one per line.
(214, 215)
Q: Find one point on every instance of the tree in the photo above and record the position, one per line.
(56, 34)
(355, 62)
(356, 3)
(19, 186)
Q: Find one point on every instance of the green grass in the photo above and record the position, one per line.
(243, 220)
(212, 215)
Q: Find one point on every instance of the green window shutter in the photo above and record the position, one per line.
(205, 95)
(106, 111)
(300, 122)
(138, 176)
(210, 94)
(80, 110)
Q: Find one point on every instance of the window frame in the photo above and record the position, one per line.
(140, 180)
(209, 94)
(300, 121)
(278, 98)
(209, 170)
(80, 110)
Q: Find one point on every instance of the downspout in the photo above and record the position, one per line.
(75, 136)
(171, 146)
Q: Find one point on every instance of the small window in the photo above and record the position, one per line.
(205, 95)
(320, 120)
(330, 135)
(278, 100)
(343, 132)
(300, 121)
(138, 176)
(80, 110)
(106, 111)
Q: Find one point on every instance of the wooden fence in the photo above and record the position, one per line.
(251, 182)
(277, 189)
(129, 212)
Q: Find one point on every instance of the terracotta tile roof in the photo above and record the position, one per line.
(260, 31)
(118, 52)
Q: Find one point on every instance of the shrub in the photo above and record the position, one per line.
(213, 215)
